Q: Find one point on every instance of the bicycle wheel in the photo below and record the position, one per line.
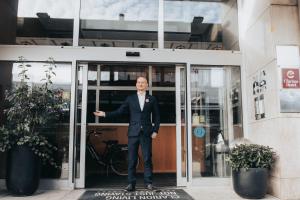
(119, 162)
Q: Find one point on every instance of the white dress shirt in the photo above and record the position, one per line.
(141, 96)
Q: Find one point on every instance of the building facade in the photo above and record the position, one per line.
(220, 70)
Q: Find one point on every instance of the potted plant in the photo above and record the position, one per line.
(29, 110)
(250, 166)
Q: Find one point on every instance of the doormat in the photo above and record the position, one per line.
(166, 194)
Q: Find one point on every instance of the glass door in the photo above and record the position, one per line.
(80, 125)
(181, 128)
(209, 122)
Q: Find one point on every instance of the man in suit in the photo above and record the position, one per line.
(139, 106)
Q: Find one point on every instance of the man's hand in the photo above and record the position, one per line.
(99, 113)
(154, 134)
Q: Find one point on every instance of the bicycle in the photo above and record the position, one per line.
(114, 156)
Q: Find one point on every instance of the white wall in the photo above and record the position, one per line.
(263, 25)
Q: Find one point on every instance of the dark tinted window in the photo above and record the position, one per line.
(112, 100)
(166, 102)
(163, 76)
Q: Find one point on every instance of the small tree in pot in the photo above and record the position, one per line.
(250, 166)
(29, 110)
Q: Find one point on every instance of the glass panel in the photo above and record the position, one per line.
(163, 76)
(166, 103)
(92, 75)
(121, 75)
(183, 122)
(48, 22)
(5, 83)
(209, 140)
(78, 111)
(58, 134)
(123, 23)
(91, 106)
(111, 100)
(193, 24)
(236, 102)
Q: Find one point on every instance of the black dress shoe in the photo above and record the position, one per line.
(130, 188)
(149, 186)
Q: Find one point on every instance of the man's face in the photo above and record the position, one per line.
(141, 84)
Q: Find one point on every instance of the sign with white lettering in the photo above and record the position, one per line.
(172, 194)
(290, 78)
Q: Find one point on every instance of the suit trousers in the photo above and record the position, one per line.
(145, 141)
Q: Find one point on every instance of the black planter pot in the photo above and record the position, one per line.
(251, 183)
(23, 171)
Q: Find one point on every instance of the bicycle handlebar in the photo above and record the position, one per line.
(95, 132)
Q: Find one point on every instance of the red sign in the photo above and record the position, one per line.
(290, 78)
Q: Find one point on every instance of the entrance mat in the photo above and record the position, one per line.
(166, 194)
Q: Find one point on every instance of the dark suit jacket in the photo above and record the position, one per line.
(139, 119)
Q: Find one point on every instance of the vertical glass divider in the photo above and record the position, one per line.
(83, 127)
(189, 128)
(71, 179)
(178, 128)
(98, 90)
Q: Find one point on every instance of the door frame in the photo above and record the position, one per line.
(206, 181)
(80, 182)
(181, 180)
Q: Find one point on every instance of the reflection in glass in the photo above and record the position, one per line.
(163, 76)
(166, 103)
(111, 100)
(5, 84)
(36, 74)
(122, 75)
(78, 110)
(48, 22)
(209, 132)
(92, 75)
(123, 23)
(91, 106)
(236, 102)
(183, 122)
(191, 24)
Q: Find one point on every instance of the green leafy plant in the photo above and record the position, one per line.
(251, 156)
(30, 110)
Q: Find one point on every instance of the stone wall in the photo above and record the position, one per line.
(263, 25)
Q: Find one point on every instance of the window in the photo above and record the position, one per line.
(123, 23)
(48, 22)
(200, 25)
(121, 75)
(110, 84)
(58, 136)
(166, 102)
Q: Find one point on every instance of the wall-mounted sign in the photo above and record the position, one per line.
(199, 132)
(259, 105)
(259, 83)
(290, 78)
(259, 87)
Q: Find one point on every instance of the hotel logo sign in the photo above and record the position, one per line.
(290, 78)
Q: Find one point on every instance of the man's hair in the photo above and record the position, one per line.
(142, 77)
